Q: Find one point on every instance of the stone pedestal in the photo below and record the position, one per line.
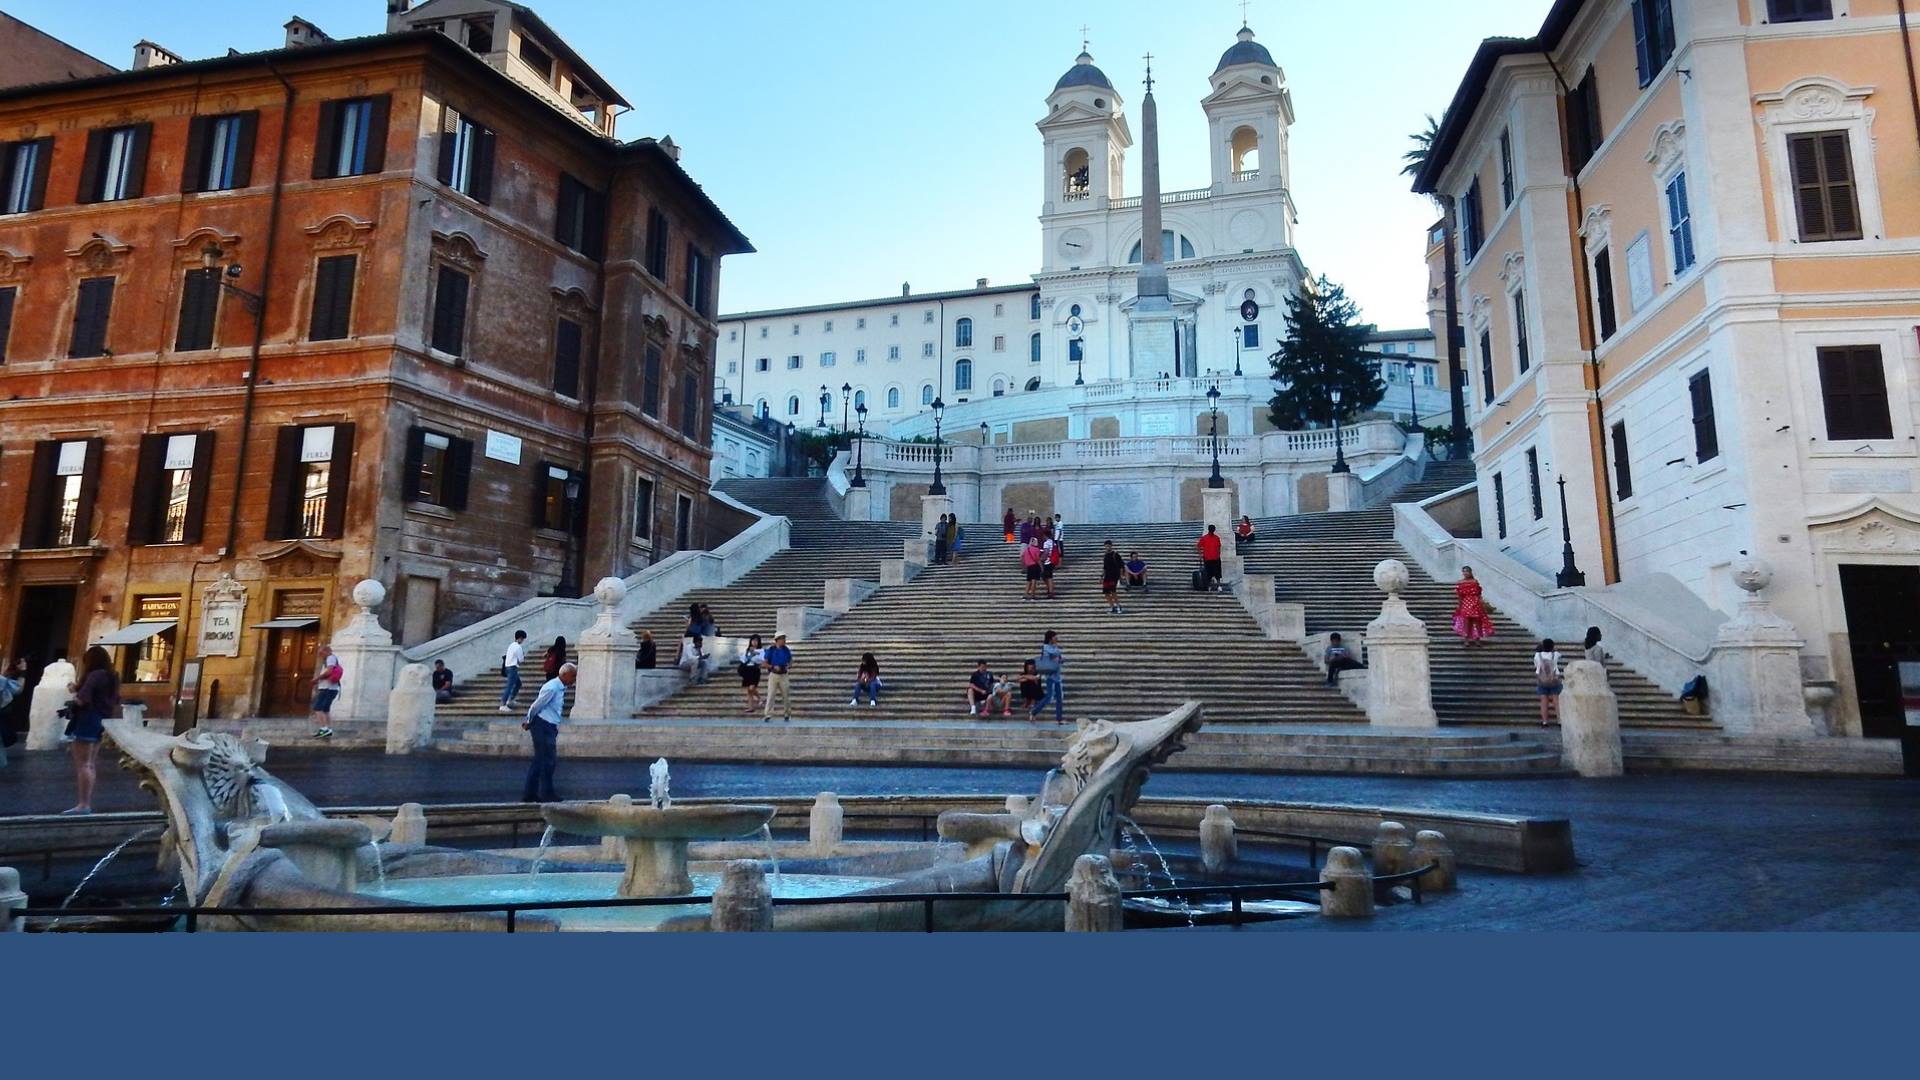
(1344, 491)
(931, 507)
(1753, 673)
(858, 505)
(743, 901)
(12, 899)
(410, 710)
(800, 623)
(604, 683)
(1589, 721)
(1151, 329)
(654, 867)
(610, 847)
(1233, 570)
(326, 850)
(368, 658)
(1392, 847)
(899, 571)
(656, 684)
(1399, 676)
(1093, 895)
(1430, 848)
(844, 594)
(44, 725)
(916, 552)
(409, 826)
(1218, 848)
(1351, 896)
(826, 823)
(1216, 509)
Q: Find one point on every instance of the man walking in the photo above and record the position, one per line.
(326, 687)
(779, 658)
(1210, 559)
(1048, 665)
(1111, 567)
(543, 723)
(510, 666)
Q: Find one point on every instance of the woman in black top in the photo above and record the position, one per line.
(649, 652)
(556, 656)
(97, 698)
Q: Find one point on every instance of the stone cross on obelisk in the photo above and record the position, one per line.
(1150, 323)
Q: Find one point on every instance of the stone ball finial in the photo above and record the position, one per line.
(369, 593)
(1752, 573)
(610, 592)
(413, 677)
(1391, 576)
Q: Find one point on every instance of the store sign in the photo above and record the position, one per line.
(221, 620)
(316, 444)
(179, 452)
(73, 459)
(503, 447)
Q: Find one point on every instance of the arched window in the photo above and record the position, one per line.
(1170, 242)
(1077, 179)
(1033, 383)
(963, 333)
(893, 397)
(859, 398)
(793, 405)
(962, 375)
(926, 393)
(761, 409)
(1246, 153)
(1033, 348)
(999, 387)
(1033, 306)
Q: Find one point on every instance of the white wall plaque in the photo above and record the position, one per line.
(503, 447)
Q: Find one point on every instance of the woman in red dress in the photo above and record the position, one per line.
(1470, 619)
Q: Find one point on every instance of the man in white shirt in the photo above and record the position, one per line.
(543, 722)
(510, 665)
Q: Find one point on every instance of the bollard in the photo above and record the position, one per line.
(612, 848)
(1430, 847)
(1589, 722)
(409, 825)
(1351, 896)
(1392, 848)
(743, 901)
(1217, 845)
(826, 823)
(1093, 896)
(1018, 805)
(12, 898)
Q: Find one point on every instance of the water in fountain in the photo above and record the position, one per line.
(143, 834)
(1132, 826)
(272, 802)
(546, 841)
(379, 864)
(766, 834)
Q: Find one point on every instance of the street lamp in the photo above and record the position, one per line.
(1079, 350)
(791, 431)
(986, 433)
(1213, 405)
(210, 258)
(1238, 341)
(1569, 575)
(939, 411)
(826, 398)
(846, 396)
(859, 446)
(1339, 452)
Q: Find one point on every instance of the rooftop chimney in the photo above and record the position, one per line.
(301, 33)
(398, 7)
(979, 283)
(672, 148)
(148, 55)
(906, 289)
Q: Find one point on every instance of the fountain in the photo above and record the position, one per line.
(654, 838)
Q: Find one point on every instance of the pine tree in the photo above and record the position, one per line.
(1324, 347)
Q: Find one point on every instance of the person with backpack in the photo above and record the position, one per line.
(1210, 573)
(510, 667)
(555, 656)
(1030, 566)
(1112, 568)
(326, 687)
(1546, 681)
(1049, 665)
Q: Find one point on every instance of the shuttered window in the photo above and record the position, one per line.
(450, 311)
(566, 358)
(1522, 350)
(1622, 467)
(1584, 130)
(115, 166)
(62, 484)
(352, 137)
(311, 469)
(1799, 10)
(23, 171)
(1853, 387)
(1506, 168)
(1472, 220)
(332, 297)
(199, 307)
(1824, 196)
(1679, 224)
(7, 297)
(1500, 506)
(1603, 293)
(698, 291)
(690, 382)
(1653, 36)
(169, 498)
(437, 469)
(92, 309)
(466, 156)
(220, 152)
(1706, 437)
(580, 217)
(657, 241)
(1533, 483)
(1486, 367)
(650, 381)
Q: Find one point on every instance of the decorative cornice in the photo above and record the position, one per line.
(339, 231)
(1812, 98)
(1669, 143)
(98, 253)
(1513, 267)
(12, 263)
(1599, 220)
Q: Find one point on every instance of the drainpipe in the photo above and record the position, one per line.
(1913, 86)
(1455, 373)
(260, 311)
(1596, 436)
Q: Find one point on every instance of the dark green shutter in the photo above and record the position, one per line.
(193, 174)
(89, 493)
(197, 494)
(282, 497)
(148, 480)
(410, 470)
(199, 304)
(89, 191)
(459, 468)
(339, 474)
(377, 134)
(243, 148)
(37, 530)
(480, 175)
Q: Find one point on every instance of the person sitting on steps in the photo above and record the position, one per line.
(1339, 658)
(1136, 572)
(1243, 534)
(982, 690)
(867, 679)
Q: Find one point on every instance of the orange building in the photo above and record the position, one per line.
(275, 322)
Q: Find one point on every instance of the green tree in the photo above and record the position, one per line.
(1416, 158)
(1323, 350)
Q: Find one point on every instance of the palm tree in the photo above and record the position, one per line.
(1416, 158)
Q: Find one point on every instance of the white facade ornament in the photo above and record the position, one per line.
(1598, 223)
(1512, 268)
(1399, 672)
(1753, 673)
(1669, 144)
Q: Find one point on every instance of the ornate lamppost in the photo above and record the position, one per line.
(939, 411)
(826, 398)
(791, 432)
(1213, 406)
(859, 446)
(1569, 576)
(846, 397)
(1339, 452)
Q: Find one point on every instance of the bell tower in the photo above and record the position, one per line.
(1085, 140)
(1248, 113)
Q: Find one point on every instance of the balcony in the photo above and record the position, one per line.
(1246, 176)
(1166, 198)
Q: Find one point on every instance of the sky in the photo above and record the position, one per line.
(862, 144)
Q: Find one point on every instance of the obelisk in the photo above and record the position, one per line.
(1150, 323)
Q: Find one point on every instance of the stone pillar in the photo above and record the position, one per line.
(799, 623)
(899, 571)
(916, 552)
(1753, 672)
(1217, 845)
(12, 899)
(826, 823)
(1589, 721)
(1430, 848)
(858, 505)
(409, 826)
(1093, 895)
(44, 726)
(841, 595)
(603, 688)
(1399, 677)
(1216, 509)
(368, 658)
(410, 710)
(931, 507)
(1392, 847)
(743, 902)
(1344, 491)
(1351, 896)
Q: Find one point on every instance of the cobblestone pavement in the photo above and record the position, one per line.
(1656, 852)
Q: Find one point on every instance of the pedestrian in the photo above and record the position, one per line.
(1049, 560)
(980, 686)
(958, 537)
(442, 683)
(97, 698)
(779, 661)
(1243, 534)
(1136, 572)
(1030, 564)
(1049, 665)
(543, 721)
(1059, 538)
(1209, 546)
(1112, 567)
(694, 621)
(708, 626)
(1591, 649)
(1339, 658)
(940, 540)
(867, 679)
(693, 659)
(1008, 524)
(1546, 681)
(1470, 619)
(649, 655)
(326, 687)
(510, 667)
(1033, 688)
(748, 669)
(15, 707)
(556, 655)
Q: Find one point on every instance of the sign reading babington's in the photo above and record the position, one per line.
(223, 614)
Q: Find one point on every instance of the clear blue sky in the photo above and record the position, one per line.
(861, 144)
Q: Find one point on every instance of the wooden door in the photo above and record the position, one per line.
(291, 657)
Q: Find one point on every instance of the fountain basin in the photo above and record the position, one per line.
(323, 848)
(641, 822)
(526, 889)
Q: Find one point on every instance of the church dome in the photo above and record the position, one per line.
(1083, 73)
(1245, 51)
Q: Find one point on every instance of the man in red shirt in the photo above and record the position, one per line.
(1209, 546)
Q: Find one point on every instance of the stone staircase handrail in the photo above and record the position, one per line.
(1378, 483)
(1371, 436)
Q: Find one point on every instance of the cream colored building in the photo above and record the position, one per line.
(1689, 254)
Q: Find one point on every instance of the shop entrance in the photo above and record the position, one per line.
(43, 626)
(1883, 631)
